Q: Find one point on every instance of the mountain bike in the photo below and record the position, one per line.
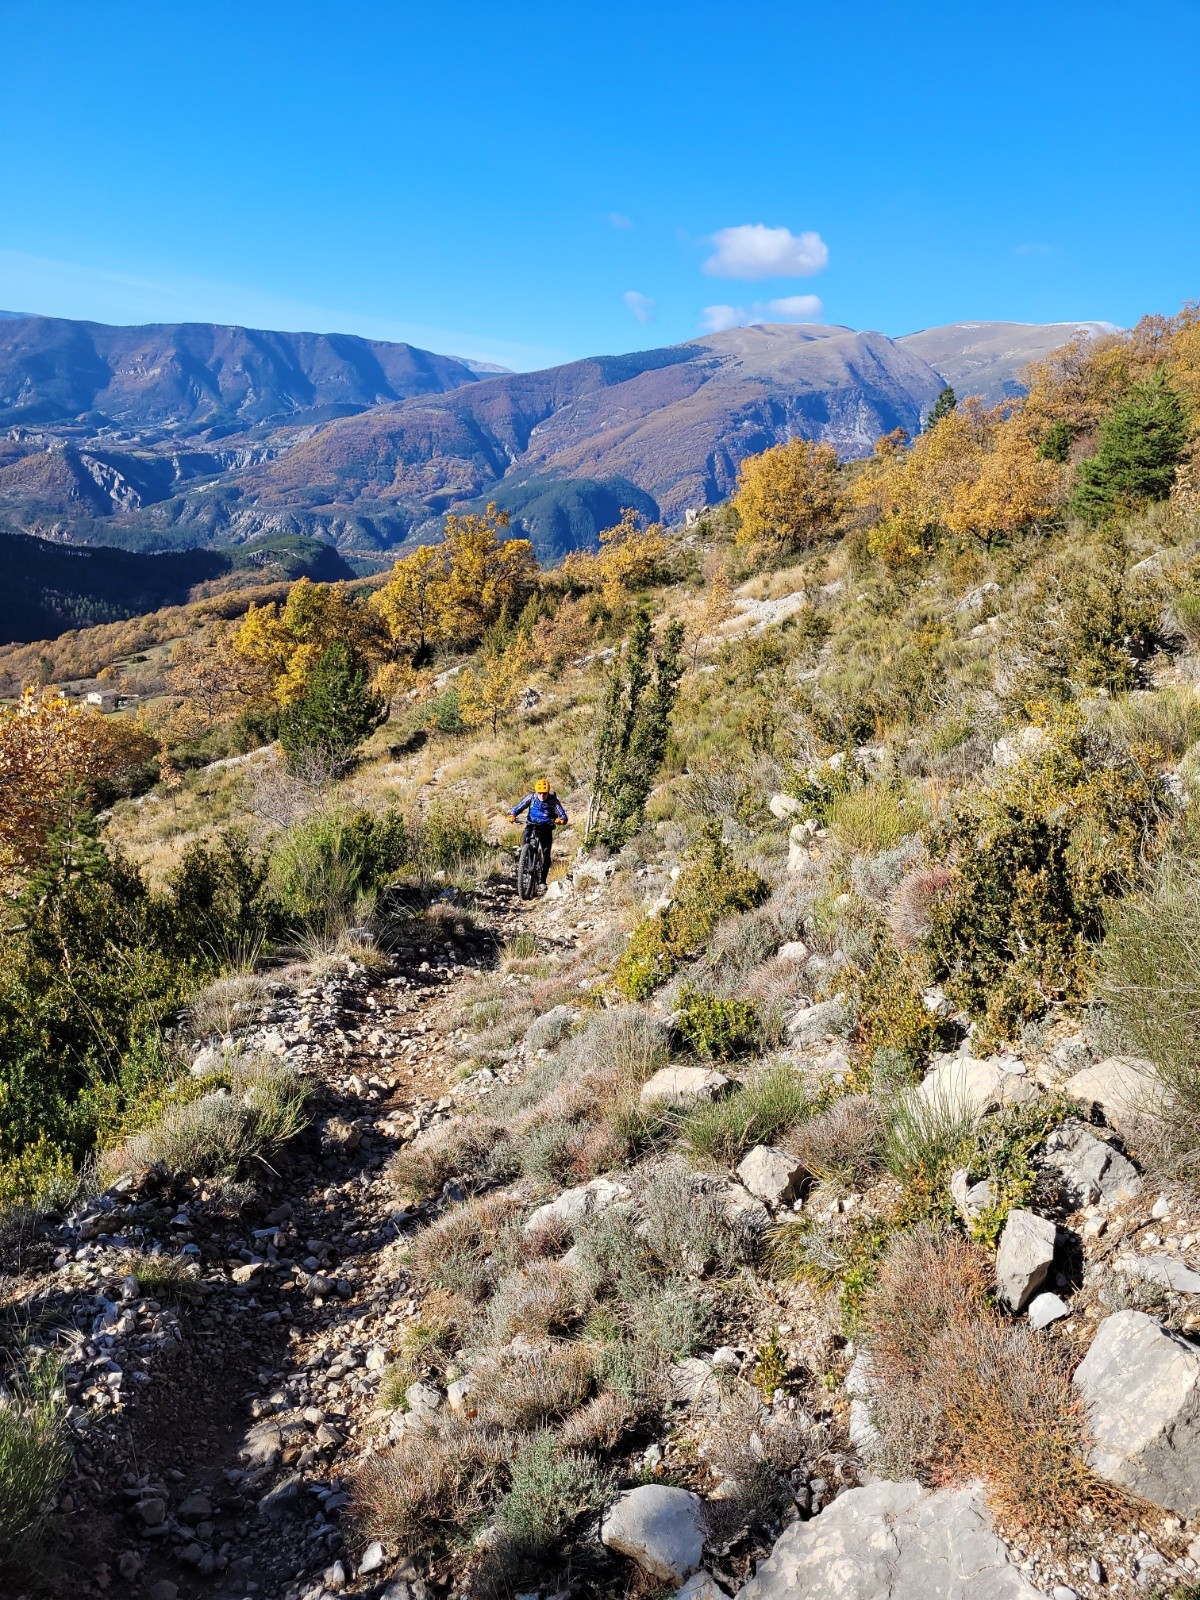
(531, 864)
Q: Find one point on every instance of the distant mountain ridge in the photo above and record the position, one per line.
(191, 434)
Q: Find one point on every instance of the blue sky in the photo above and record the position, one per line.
(534, 182)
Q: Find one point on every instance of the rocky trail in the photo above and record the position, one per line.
(215, 1417)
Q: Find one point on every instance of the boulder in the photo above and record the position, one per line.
(793, 950)
(822, 1021)
(892, 1541)
(1092, 1172)
(1024, 1257)
(976, 1086)
(701, 1586)
(742, 1208)
(683, 1086)
(784, 806)
(1017, 747)
(1120, 1086)
(1168, 1271)
(575, 1204)
(1141, 1384)
(771, 1175)
(970, 1199)
(1045, 1309)
(658, 1527)
(800, 840)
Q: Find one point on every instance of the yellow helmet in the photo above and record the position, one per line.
(542, 786)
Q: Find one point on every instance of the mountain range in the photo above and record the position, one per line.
(197, 435)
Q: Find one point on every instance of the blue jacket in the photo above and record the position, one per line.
(542, 808)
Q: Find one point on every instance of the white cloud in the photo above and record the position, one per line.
(753, 251)
(793, 308)
(619, 221)
(643, 308)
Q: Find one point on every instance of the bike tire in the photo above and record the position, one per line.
(526, 871)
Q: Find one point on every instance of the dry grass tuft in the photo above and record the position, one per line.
(544, 1298)
(429, 1481)
(463, 1148)
(528, 1386)
(843, 1145)
(456, 1252)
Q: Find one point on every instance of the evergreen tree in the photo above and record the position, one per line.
(336, 712)
(633, 732)
(1141, 443)
(72, 849)
(944, 406)
(1055, 444)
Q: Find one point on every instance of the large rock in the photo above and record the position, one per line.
(683, 1086)
(822, 1021)
(785, 806)
(1024, 1257)
(659, 1528)
(892, 1541)
(575, 1204)
(1141, 1384)
(1014, 748)
(975, 1086)
(1091, 1171)
(1121, 1086)
(771, 1174)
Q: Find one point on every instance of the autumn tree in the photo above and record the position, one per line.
(283, 644)
(628, 556)
(413, 605)
(488, 689)
(56, 759)
(718, 601)
(788, 496)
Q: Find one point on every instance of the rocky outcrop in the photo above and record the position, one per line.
(1121, 1086)
(892, 1541)
(683, 1086)
(1141, 1384)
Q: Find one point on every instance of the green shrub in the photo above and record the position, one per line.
(710, 887)
(718, 1029)
(873, 817)
(766, 1107)
(928, 1136)
(444, 712)
(328, 863)
(335, 714)
(890, 1011)
(447, 838)
(1036, 857)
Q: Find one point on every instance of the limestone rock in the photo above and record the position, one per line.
(970, 1199)
(742, 1208)
(683, 1086)
(783, 806)
(821, 1021)
(793, 950)
(575, 1204)
(658, 1527)
(892, 1541)
(1091, 1171)
(977, 1086)
(1141, 1384)
(1165, 1270)
(1120, 1085)
(1045, 1309)
(701, 1586)
(1024, 1257)
(771, 1175)
(1019, 746)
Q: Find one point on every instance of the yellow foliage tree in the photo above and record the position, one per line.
(718, 602)
(412, 605)
(789, 495)
(487, 692)
(52, 752)
(284, 644)
(628, 556)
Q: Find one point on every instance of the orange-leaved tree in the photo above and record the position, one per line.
(55, 754)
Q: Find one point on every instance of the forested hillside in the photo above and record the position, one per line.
(817, 1153)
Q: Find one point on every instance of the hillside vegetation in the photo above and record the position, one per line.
(857, 1024)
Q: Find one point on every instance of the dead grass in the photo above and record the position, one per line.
(529, 1386)
(460, 1149)
(542, 1299)
(458, 1251)
(842, 1145)
(430, 1481)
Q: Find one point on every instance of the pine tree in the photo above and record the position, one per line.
(72, 849)
(944, 406)
(336, 712)
(634, 728)
(1141, 443)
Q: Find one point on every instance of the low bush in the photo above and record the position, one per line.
(957, 1393)
(767, 1106)
(927, 1138)
(711, 886)
(685, 1225)
(326, 866)
(718, 1029)
(841, 1254)
(550, 1488)
(225, 1132)
(890, 1011)
(447, 838)
(872, 817)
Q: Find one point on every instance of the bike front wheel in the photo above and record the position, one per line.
(528, 870)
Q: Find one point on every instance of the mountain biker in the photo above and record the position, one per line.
(545, 814)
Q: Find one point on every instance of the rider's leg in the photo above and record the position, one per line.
(546, 834)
